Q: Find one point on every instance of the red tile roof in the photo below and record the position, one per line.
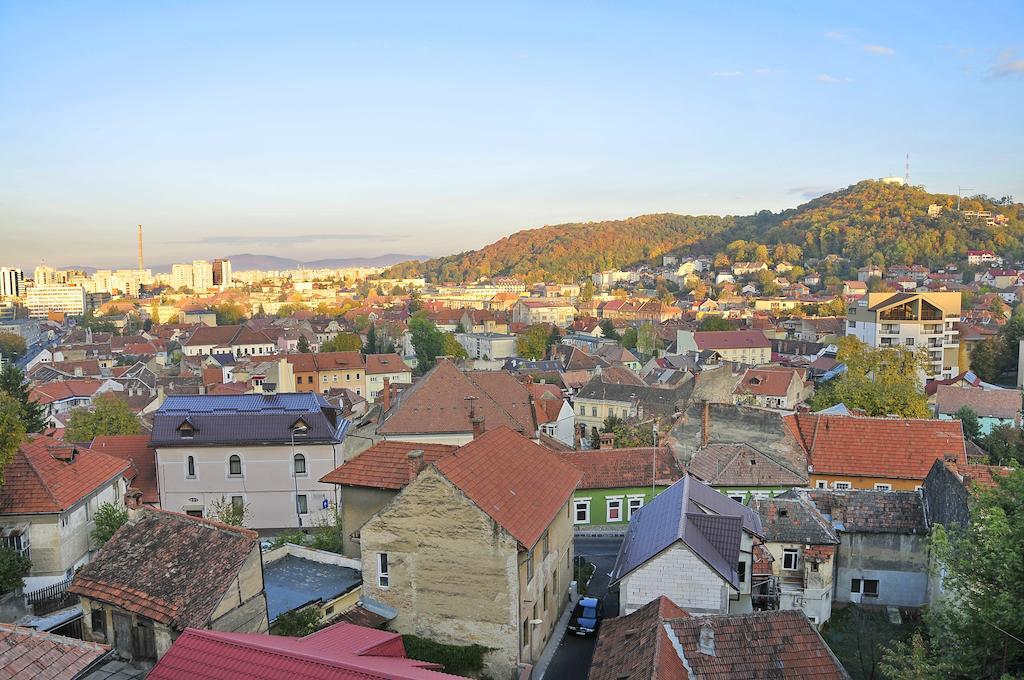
(982, 476)
(30, 653)
(547, 401)
(890, 448)
(659, 641)
(520, 484)
(65, 389)
(772, 382)
(385, 465)
(339, 652)
(624, 468)
(334, 361)
(385, 363)
(135, 449)
(167, 566)
(438, 403)
(987, 403)
(730, 340)
(50, 476)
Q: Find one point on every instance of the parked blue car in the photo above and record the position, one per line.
(586, 617)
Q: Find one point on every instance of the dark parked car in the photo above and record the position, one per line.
(586, 617)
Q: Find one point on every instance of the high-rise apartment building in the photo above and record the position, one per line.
(222, 273)
(911, 321)
(45, 276)
(69, 299)
(202, 276)
(11, 282)
(181, 276)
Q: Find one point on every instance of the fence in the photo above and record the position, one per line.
(51, 598)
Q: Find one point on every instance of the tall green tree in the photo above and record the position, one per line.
(881, 381)
(715, 323)
(427, 342)
(969, 419)
(979, 627)
(13, 570)
(303, 345)
(343, 342)
(371, 341)
(109, 518)
(12, 431)
(533, 342)
(608, 330)
(12, 346)
(452, 348)
(108, 416)
(12, 383)
(229, 313)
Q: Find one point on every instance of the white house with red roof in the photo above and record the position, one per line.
(48, 500)
(478, 547)
(751, 347)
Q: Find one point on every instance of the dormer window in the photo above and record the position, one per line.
(300, 428)
(186, 430)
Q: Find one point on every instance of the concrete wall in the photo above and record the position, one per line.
(680, 575)
(728, 424)
(898, 561)
(452, 570)
(359, 504)
(267, 484)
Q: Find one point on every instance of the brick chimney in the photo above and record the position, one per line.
(385, 403)
(607, 440)
(415, 463)
(705, 425)
(478, 426)
(133, 499)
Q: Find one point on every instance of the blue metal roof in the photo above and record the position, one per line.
(292, 582)
(298, 402)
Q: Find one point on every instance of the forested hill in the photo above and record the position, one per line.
(869, 221)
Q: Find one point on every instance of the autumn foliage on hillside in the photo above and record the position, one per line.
(868, 222)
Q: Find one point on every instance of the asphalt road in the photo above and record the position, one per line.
(572, 658)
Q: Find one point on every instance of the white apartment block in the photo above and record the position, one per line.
(11, 282)
(912, 321)
(69, 299)
(202, 275)
(181, 276)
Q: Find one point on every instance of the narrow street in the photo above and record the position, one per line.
(572, 659)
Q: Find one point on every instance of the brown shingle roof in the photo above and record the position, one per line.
(772, 382)
(385, 465)
(167, 566)
(30, 653)
(135, 449)
(49, 476)
(385, 363)
(660, 641)
(730, 340)
(723, 464)
(622, 468)
(520, 484)
(991, 403)
(438, 404)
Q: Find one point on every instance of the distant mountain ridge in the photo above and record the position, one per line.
(871, 221)
(249, 261)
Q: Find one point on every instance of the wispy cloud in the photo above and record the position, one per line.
(291, 239)
(810, 192)
(836, 35)
(767, 72)
(727, 74)
(828, 78)
(1006, 66)
(879, 49)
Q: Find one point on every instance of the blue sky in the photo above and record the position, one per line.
(318, 129)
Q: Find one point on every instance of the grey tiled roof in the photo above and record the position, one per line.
(794, 520)
(246, 419)
(864, 511)
(709, 523)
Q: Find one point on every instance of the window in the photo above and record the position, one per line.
(821, 484)
(842, 486)
(614, 509)
(529, 566)
(583, 410)
(190, 467)
(545, 542)
(235, 466)
(883, 487)
(790, 559)
(813, 619)
(18, 542)
(348, 376)
(383, 575)
(736, 497)
(301, 506)
(300, 464)
(526, 632)
(867, 587)
(237, 502)
(593, 411)
(909, 342)
(98, 620)
(194, 513)
(634, 504)
(544, 601)
(851, 324)
(741, 571)
(582, 511)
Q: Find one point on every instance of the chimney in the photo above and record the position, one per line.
(706, 641)
(133, 499)
(705, 425)
(415, 463)
(607, 440)
(577, 439)
(478, 426)
(385, 403)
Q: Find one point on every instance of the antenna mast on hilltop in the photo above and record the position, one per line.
(906, 178)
